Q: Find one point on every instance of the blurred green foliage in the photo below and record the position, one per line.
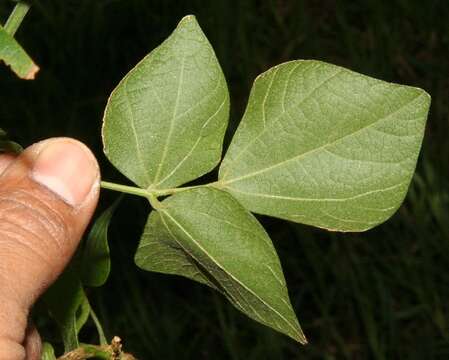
(376, 295)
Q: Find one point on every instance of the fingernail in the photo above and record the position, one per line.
(68, 169)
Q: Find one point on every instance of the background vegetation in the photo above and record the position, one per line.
(377, 295)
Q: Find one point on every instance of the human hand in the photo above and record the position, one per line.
(47, 196)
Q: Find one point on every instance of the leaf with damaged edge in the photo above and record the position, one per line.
(206, 235)
(164, 123)
(325, 146)
(12, 54)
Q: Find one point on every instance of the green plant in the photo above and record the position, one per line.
(318, 144)
(11, 53)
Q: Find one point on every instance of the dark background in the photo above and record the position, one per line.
(377, 295)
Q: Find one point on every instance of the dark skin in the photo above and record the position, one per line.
(48, 194)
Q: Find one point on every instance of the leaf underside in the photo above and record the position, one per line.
(12, 54)
(325, 146)
(164, 123)
(206, 235)
(318, 144)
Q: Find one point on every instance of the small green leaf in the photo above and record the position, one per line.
(48, 353)
(14, 56)
(164, 123)
(69, 307)
(95, 260)
(206, 235)
(325, 146)
(7, 145)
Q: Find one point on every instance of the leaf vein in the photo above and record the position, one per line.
(279, 116)
(290, 198)
(172, 121)
(193, 147)
(311, 151)
(231, 275)
(267, 93)
(133, 127)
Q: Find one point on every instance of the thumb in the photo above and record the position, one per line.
(47, 197)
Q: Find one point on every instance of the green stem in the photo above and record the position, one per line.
(150, 194)
(125, 189)
(165, 192)
(100, 330)
(16, 17)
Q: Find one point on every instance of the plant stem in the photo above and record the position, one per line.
(87, 352)
(16, 17)
(177, 190)
(100, 330)
(150, 194)
(125, 189)
(108, 352)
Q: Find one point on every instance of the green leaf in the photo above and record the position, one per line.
(48, 353)
(8, 146)
(164, 123)
(325, 146)
(206, 235)
(69, 307)
(159, 252)
(95, 260)
(13, 55)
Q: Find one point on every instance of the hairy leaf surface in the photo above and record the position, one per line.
(164, 123)
(206, 235)
(325, 146)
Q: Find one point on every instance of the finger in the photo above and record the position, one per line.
(5, 161)
(47, 197)
(32, 343)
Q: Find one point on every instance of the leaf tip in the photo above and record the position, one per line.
(31, 74)
(297, 334)
(301, 338)
(189, 23)
(188, 19)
